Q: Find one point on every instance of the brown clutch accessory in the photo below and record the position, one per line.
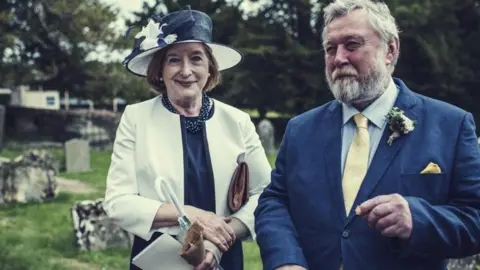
(193, 249)
(238, 190)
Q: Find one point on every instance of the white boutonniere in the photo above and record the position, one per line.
(152, 33)
(399, 124)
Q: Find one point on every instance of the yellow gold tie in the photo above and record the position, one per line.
(357, 162)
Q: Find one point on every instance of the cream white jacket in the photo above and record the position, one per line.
(148, 149)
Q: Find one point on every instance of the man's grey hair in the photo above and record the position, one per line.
(379, 17)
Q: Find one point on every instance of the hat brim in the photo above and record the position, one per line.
(225, 56)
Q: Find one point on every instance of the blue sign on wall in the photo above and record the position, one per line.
(50, 101)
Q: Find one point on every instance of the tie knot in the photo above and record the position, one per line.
(361, 120)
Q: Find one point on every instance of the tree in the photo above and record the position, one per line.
(283, 67)
(439, 49)
(53, 39)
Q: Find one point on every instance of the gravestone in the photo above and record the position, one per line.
(3, 111)
(93, 230)
(77, 155)
(28, 178)
(266, 132)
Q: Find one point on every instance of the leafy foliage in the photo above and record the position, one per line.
(48, 43)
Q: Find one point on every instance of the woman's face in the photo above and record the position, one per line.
(185, 71)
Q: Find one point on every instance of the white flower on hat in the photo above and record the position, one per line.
(170, 38)
(151, 33)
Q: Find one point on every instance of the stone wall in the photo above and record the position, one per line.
(33, 127)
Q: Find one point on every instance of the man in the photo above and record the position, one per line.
(353, 189)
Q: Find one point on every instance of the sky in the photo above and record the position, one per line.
(129, 6)
(126, 7)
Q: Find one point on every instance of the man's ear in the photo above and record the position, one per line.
(393, 50)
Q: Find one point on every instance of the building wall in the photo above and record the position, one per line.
(39, 99)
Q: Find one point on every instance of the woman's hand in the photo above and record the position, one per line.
(215, 228)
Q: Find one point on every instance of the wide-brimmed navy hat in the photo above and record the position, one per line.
(181, 26)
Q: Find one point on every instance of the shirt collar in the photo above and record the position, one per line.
(376, 111)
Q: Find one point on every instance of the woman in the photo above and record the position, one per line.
(186, 139)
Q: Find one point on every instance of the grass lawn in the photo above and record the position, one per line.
(40, 236)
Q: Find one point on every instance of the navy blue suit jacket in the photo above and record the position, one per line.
(301, 219)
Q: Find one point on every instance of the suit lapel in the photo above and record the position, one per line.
(333, 150)
(385, 153)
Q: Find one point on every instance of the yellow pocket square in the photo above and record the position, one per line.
(431, 168)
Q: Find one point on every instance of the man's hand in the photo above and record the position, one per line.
(290, 267)
(209, 263)
(389, 214)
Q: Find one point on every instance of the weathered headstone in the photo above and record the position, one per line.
(266, 132)
(28, 178)
(77, 155)
(93, 230)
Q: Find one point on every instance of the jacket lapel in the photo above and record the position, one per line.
(333, 151)
(164, 148)
(223, 156)
(385, 153)
(216, 152)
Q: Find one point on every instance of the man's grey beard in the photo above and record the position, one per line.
(351, 91)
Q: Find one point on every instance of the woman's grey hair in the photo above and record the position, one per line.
(379, 17)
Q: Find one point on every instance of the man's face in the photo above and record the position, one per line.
(356, 59)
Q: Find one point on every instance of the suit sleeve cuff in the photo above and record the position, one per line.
(412, 247)
(294, 259)
(209, 246)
